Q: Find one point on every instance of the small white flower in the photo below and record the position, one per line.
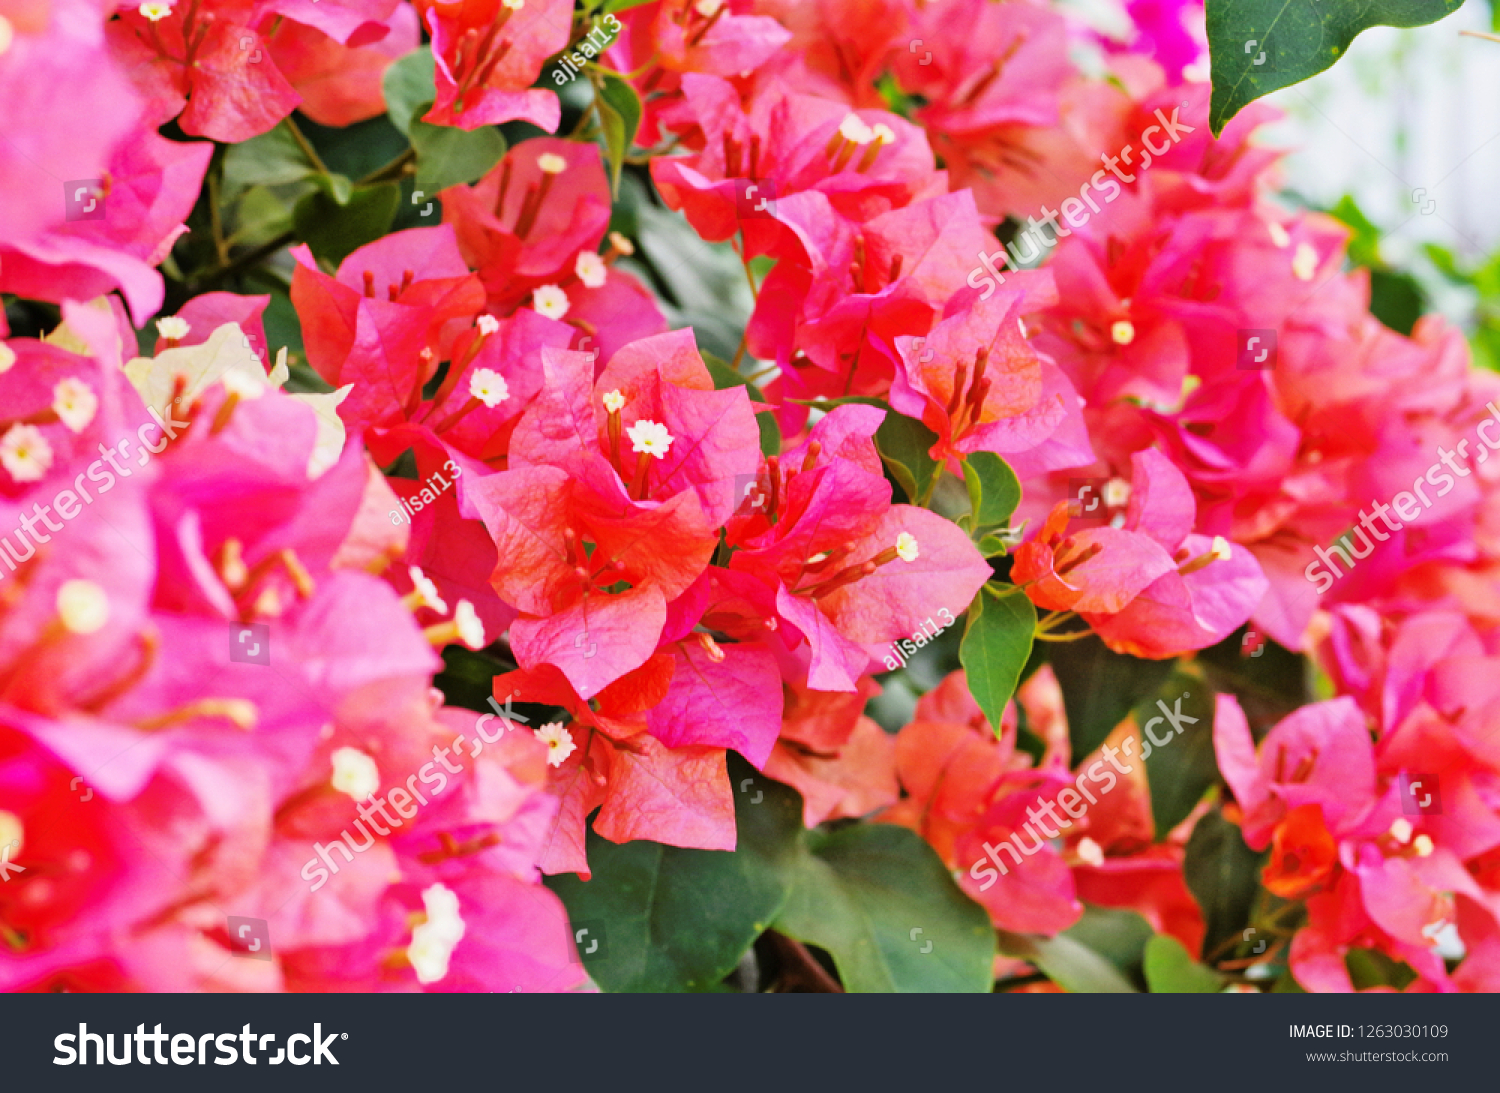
(25, 453)
(487, 324)
(74, 403)
(852, 128)
(614, 402)
(7, 36)
(1122, 332)
(433, 941)
(1278, 234)
(12, 833)
(621, 244)
(1401, 830)
(1116, 492)
(172, 327)
(883, 133)
(551, 301)
(422, 585)
(489, 387)
(591, 269)
(650, 437)
(1088, 850)
(7, 357)
(82, 606)
(514, 5)
(1304, 262)
(1423, 846)
(707, 8)
(551, 163)
(1221, 548)
(559, 742)
(155, 10)
(470, 629)
(906, 547)
(354, 773)
(245, 384)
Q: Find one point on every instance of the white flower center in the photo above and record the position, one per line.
(489, 387)
(82, 606)
(591, 269)
(74, 403)
(650, 437)
(354, 773)
(551, 301)
(25, 453)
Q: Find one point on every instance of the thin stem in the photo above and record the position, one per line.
(307, 149)
(247, 260)
(1481, 34)
(395, 169)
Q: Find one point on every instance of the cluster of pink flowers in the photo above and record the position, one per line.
(588, 497)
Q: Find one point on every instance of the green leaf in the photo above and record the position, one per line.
(679, 920)
(725, 377)
(450, 157)
(1119, 936)
(409, 87)
(622, 5)
(992, 546)
(260, 215)
(878, 899)
(1170, 969)
(335, 231)
(1068, 963)
(620, 114)
(336, 186)
(903, 443)
(1257, 46)
(1100, 687)
(1181, 769)
(994, 490)
(1223, 874)
(272, 159)
(997, 641)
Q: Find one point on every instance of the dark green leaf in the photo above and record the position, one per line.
(1222, 873)
(333, 231)
(620, 114)
(622, 5)
(449, 157)
(1071, 965)
(336, 186)
(994, 490)
(409, 87)
(1257, 46)
(1117, 935)
(1100, 687)
(1180, 763)
(878, 899)
(997, 641)
(1170, 969)
(670, 919)
(904, 443)
(271, 159)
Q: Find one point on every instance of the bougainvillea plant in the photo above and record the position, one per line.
(501, 495)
